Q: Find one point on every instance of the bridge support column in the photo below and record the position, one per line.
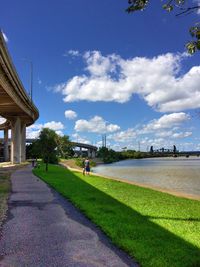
(16, 141)
(81, 154)
(23, 142)
(89, 153)
(6, 151)
(93, 154)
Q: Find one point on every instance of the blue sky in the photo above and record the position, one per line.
(99, 70)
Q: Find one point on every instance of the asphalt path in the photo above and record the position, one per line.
(43, 229)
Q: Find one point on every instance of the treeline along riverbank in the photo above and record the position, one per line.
(110, 155)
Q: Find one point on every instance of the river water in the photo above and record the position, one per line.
(181, 175)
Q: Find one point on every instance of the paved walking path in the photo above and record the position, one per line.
(44, 230)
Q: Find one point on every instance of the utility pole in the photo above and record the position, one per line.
(139, 146)
(103, 140)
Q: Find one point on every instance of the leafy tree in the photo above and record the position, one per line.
(170, 5)
(47, 145)
(50, 146)
(33, 150)
(64, 146)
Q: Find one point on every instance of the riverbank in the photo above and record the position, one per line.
(157, 229)
(71, 165)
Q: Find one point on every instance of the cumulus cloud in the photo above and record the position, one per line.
(70, 114)
(167, 121)
(198, 4)
(124, 136)
(182, 135)
(33, 131)
(157, 80)
(79, 139)
(99, 65)
(95, 125)
(166, 127)
(54, 125)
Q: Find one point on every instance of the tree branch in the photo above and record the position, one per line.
(188, 10)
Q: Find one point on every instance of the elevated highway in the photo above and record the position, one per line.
(91, 150)
(15, 106)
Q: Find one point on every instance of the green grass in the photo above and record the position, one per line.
(4, 191)
(155, 228)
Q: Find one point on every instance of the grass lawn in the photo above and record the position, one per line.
(4, 191)
(155, 228)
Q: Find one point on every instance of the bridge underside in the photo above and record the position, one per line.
(15, 106)
(8, 107)
(16, 121)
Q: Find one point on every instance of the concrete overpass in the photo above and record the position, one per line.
(15, 106)
(91, 150)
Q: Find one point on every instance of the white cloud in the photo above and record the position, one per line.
(164, 134)
(2, 120)
(5, 37)
(166, 122)
(32, 134)
(70, 114)
(59, 133)
(124, 136)
(156, 80)
(198, 4)
(74, 53)
(54, 125)
(79, 139)
(95, 125)
(99, 65)
(39, 81)
(182, 135)
(33, 131)
(167, 127)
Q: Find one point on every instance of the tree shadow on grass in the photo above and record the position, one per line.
(147, 242)
(173, 219)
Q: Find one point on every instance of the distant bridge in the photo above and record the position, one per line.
(91, 150)
(169, 152)
(189, 153)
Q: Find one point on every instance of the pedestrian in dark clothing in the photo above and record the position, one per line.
(87, 166)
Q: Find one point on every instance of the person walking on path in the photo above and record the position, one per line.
(87, 166)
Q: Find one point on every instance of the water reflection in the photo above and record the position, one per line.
(177, 174)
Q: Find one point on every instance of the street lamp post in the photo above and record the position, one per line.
(31, 78)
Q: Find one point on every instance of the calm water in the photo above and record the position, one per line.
(177, 174)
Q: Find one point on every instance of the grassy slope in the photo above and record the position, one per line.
(155, 228)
